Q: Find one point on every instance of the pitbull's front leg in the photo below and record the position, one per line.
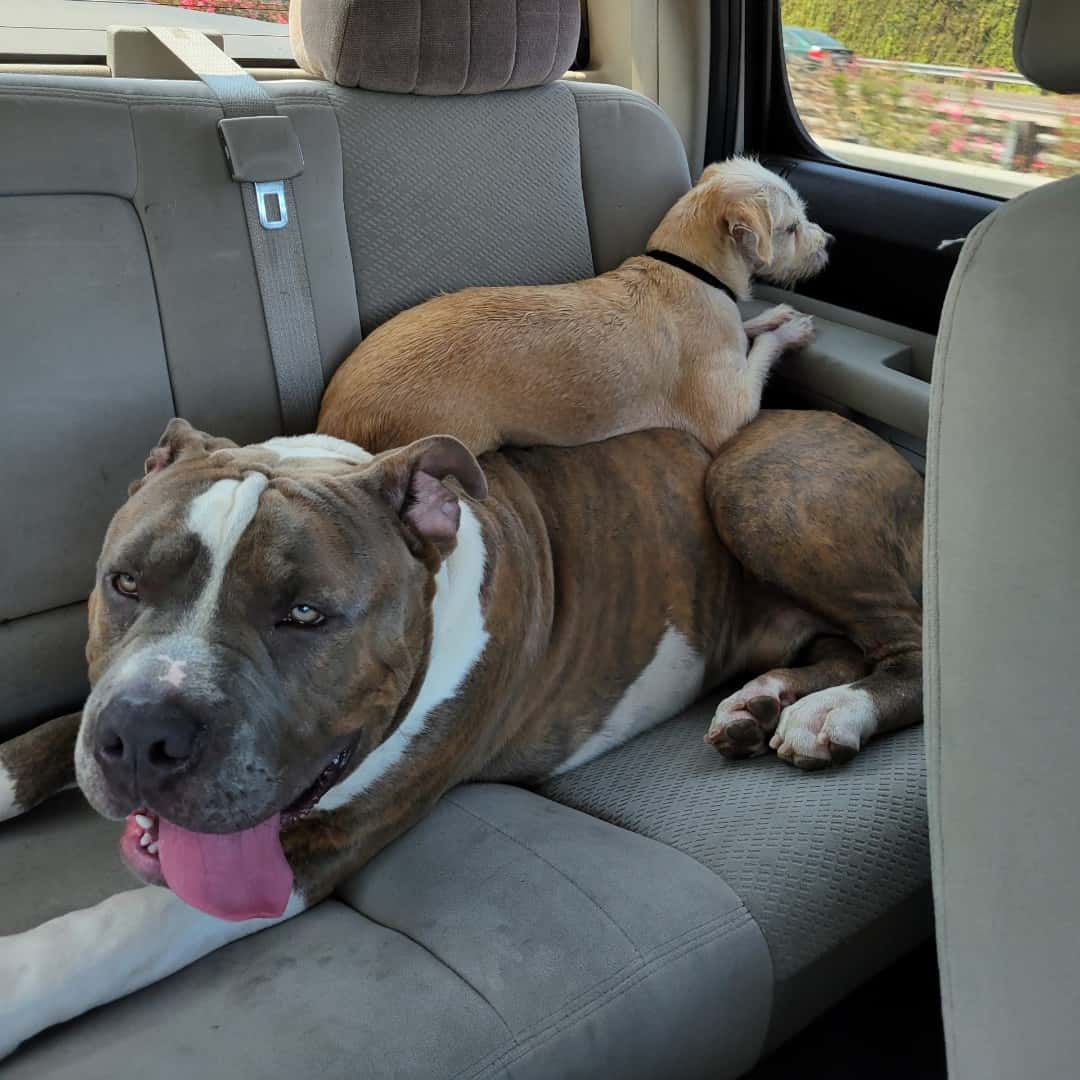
(74, 963)
(37, 765)
(87, 958)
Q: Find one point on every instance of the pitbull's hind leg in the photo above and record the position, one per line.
(832, 515)
(38, 764)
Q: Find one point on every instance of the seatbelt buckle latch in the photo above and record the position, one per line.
(273, 210)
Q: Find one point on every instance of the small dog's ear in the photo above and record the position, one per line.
(412, 482)
(750, 225)
(179, 440)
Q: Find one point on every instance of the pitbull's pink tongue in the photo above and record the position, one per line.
(235, 876)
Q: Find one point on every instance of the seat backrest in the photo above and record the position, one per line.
(128, 291)
(1003, 620)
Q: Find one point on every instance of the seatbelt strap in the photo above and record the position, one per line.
(264, 155)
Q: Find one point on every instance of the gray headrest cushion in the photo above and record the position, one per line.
(435, 46)
(1046, 43)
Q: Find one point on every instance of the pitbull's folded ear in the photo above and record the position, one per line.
(412, 479)
(179, 440)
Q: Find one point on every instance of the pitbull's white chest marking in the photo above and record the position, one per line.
(458, 637)
(667, 684)
(218, 517)
(78, 961)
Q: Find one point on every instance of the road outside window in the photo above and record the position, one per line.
(927, 89)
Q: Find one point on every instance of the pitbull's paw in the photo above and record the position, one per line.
(796, 333)
(771, 319)
(826, 728)
(745, 720)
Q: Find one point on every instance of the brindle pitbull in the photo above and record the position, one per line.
(295, 649)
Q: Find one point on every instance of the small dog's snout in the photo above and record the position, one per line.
(829, 241)
(147, 741)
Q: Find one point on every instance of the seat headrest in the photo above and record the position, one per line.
(435, 46)
(1046, 43)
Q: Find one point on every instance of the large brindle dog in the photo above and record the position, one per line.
(296, 648)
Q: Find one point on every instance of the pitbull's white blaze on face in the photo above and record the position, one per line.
(219, 517)
(315, 447)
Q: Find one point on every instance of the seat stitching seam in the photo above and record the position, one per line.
(119, 99)
(581, 174)
(43, 611)
(628, 978)
(439, 960)
(555, 49)
(344, 37)
(150, 260)
(513, 59)
(603, 988)
(596, 903)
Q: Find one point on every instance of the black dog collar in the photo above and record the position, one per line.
(692, 269)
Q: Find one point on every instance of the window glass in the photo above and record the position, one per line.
(927, 89)
(252, 29)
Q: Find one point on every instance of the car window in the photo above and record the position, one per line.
(927, 89)
(76, 29)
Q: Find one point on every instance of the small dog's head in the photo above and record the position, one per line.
(765, 220)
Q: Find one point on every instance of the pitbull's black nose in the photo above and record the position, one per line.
(145, 742)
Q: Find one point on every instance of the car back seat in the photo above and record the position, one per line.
(717, 907)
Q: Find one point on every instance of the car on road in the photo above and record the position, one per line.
(814, 47)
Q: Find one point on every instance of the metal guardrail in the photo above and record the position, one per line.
(944, 71)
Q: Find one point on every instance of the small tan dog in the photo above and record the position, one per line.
(656, 343)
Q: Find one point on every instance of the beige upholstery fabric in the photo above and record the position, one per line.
(1002, 627)
(625, 136)
(506, 936)
(792, 845)
(1046, 43)
(129, 296)
(435, 46)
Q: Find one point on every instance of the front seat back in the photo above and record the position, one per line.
(1003, 618)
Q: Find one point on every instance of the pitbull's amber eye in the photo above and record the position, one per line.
(126, 585)
(305, 615)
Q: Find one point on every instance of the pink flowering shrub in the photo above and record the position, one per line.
(957, 120)
(266, 10)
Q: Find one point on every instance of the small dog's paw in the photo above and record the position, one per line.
(744, 721)
(797, 332)
(826, 728)
(770, 319)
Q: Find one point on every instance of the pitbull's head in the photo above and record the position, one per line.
(260, 620)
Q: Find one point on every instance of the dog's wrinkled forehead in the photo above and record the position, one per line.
(217, 495)
(290, 454)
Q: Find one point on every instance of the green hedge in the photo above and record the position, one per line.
(967, 33)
